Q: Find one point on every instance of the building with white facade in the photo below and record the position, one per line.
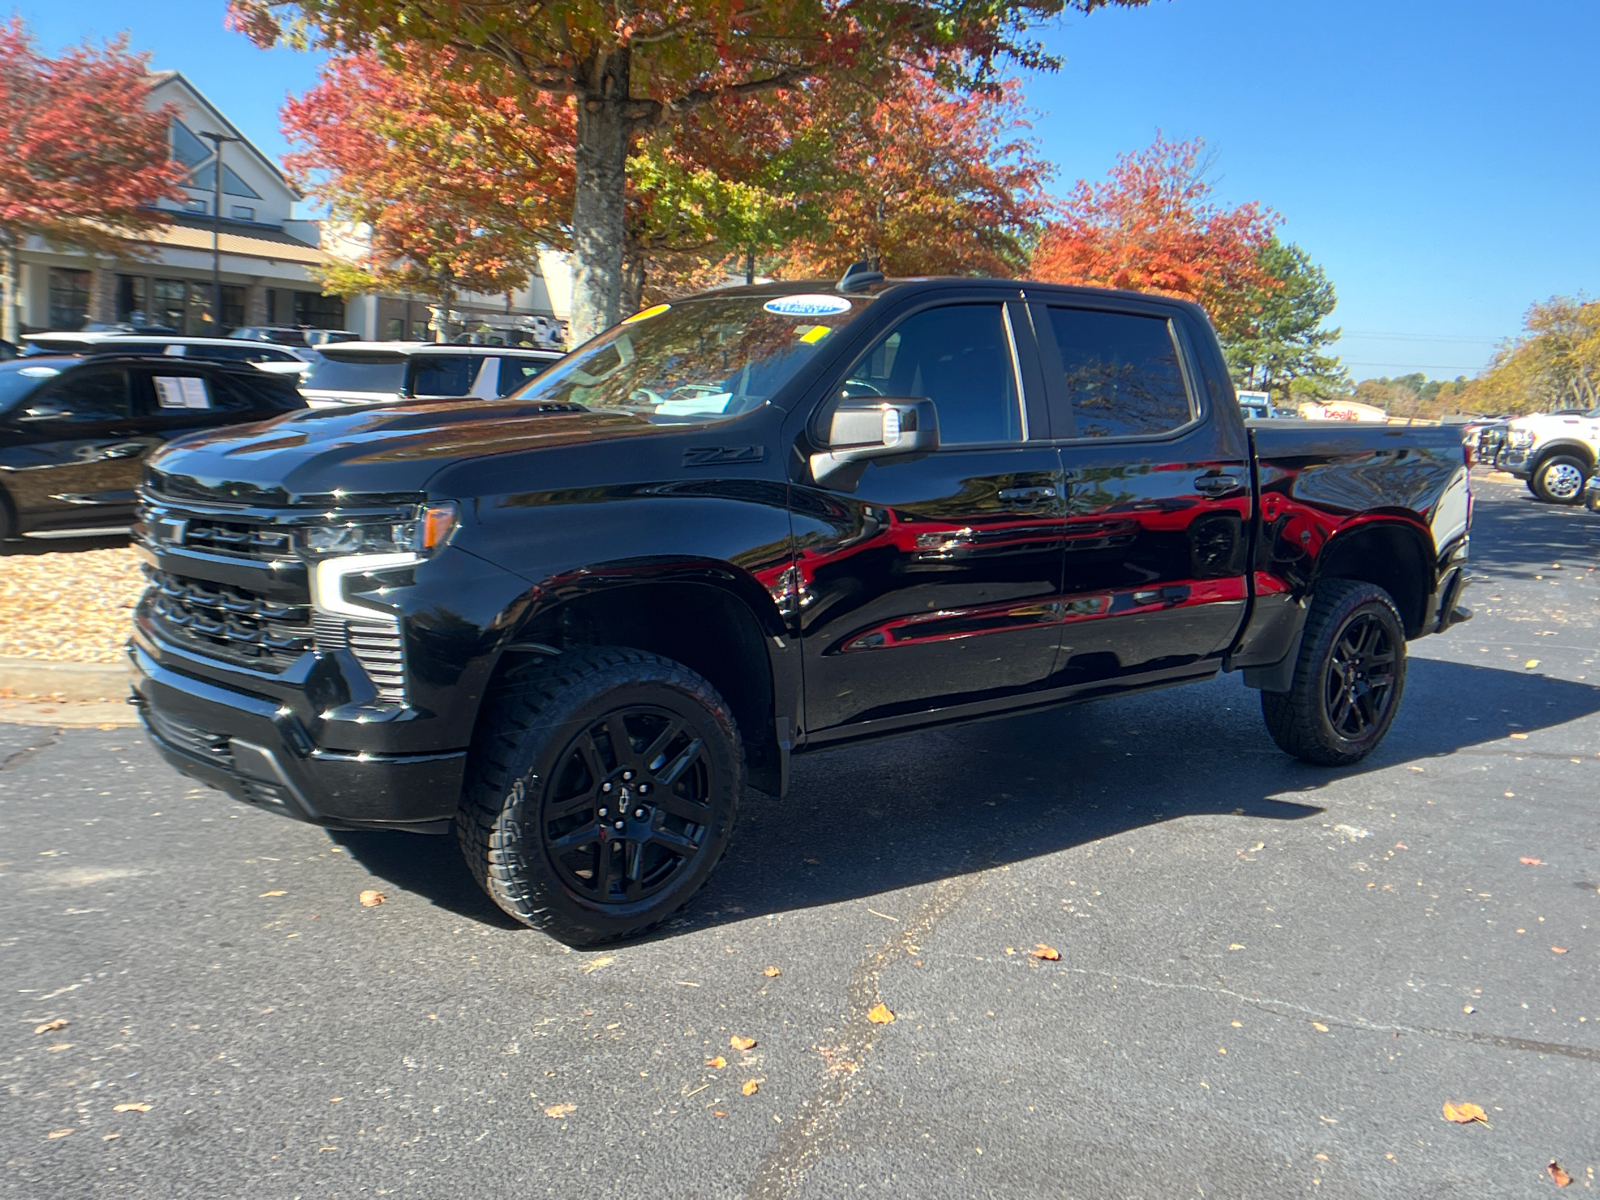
(269, 259)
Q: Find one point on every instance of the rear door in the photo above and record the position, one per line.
(932, 582)
(76, 451)
(1158, 491)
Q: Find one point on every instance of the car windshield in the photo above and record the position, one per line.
(19, 377)
(697, 360)
(356, 375)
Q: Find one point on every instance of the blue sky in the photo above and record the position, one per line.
(1436, 156)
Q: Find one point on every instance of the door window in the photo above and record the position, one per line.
(958, 356)
(1122, 373)
(514, 372)
(443, 375)
(85, 398)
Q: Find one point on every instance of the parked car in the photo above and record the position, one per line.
(1554, 453)
(74, 432)
(292, 335)
(1591, 494)
(573, 624)
(374, 372)
(217, 349)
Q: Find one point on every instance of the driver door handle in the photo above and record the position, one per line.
(1215, 485)
(1029, 495)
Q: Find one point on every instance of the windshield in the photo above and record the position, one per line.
(698, 360)
(18, 378)
(356, 375)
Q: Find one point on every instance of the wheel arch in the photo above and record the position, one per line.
(712, 617)
(1392, 553)
(1580, 450)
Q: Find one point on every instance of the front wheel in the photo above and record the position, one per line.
(1348, 678)
(602, 790)
(1559, 479)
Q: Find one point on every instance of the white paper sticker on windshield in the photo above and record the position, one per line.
(184, 392)
(807, 306)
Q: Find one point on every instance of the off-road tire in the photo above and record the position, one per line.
(529, 731)
(1303, 720)
(1562, 465)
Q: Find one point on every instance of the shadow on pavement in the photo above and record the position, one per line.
(72, 545)
(1519, 536)
(866, 820)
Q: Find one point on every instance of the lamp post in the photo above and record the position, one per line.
(217, 140)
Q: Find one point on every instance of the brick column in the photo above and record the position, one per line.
(103, 291)
(255, 305)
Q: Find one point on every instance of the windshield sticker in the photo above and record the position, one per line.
(647, 314)
(812, 334)
(807, 306)
(184, 392)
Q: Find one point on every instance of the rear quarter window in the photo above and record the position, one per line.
(444, 374)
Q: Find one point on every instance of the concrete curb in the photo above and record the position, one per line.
(39, 677)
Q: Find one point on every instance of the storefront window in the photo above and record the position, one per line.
(166, 308)
(232, 306)
(69, 299)
(133, 298)
(317, 311)
(200, 322)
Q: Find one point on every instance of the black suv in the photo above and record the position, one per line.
(74, 432)
(574, 623)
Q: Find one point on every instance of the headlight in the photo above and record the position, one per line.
(1520, 438)
(421, 534)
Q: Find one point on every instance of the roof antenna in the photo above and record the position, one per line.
(859, 276)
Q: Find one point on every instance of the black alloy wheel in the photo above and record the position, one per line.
(1348, 679)
(1359, 688)
(630, 806)
(602, 789)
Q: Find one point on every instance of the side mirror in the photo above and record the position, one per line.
(865, 429)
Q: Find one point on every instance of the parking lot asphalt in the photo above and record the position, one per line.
(1271, 979)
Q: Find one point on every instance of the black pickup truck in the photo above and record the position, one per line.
(572, 625)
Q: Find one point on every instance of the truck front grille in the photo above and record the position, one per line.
(227, 622)
(236, 538)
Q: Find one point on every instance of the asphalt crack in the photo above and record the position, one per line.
(18, 757)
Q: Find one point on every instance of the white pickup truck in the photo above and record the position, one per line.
(1555, 453)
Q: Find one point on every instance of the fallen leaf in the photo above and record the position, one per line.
(111, 1137)
(1237, 1025)
(717, 1112)
(1531, 664)
(879, 1014)
(1048, 953)
(717, 1063)
(371, 899)
(1464, 1114)
(1319, 1027)
(132, 1106)
(772, 972)
(1532, 862)
(68, 1045)
(1222, 1049)
(1235, 946)
(264, 895)
(742, 1043)
(1558, 949)
(751, 1087)
(1401, 846)
(1521, 737)
(57, 1133)
(1559, 1177)
(1467, 1008)
(560, 1110)
(50, 1026)
(595, 964)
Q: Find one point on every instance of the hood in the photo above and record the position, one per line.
(383, 451)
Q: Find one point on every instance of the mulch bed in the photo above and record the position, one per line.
(73, 606)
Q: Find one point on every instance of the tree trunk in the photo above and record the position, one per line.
(597, 208)
(631, 293)
(11, 269)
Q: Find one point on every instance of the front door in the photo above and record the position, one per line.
(933, 581)
(74, 452)
(1159, 494)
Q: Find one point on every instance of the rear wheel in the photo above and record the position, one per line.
(602, 791)
(1348, 679)
(1559, 479)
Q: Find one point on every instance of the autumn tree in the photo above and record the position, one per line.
(83, 160)
(1279, 339)
(1554, 363)
(1154, 226)
(456, 182)
(635, 67)
(920, 179)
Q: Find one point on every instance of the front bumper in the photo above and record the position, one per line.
(259, 751)
(1518, 462)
